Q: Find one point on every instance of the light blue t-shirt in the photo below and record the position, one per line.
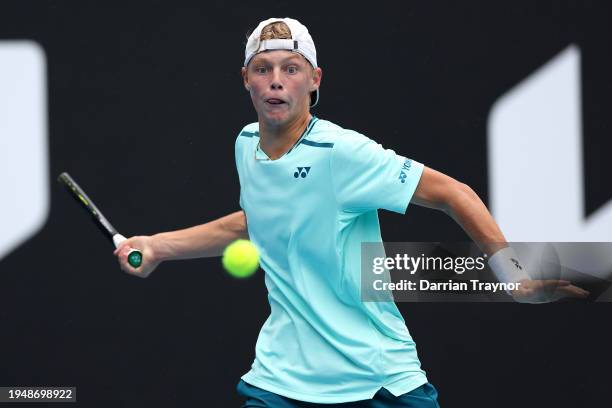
(308, 212)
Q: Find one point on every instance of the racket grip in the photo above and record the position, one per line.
(134, 256)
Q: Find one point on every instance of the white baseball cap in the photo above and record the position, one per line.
(300, 42)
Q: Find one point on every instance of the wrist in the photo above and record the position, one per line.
(506, 266)
(160, 248)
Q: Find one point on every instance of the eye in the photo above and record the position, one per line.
(292, 69)
(260, 70)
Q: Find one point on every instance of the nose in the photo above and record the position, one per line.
(276, 83)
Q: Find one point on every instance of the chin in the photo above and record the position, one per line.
(277, 118)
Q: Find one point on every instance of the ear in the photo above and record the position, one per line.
(317, 74)
(245, 79)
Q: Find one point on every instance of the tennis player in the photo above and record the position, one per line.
(310, 192)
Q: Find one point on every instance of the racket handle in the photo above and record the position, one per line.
(134, 256)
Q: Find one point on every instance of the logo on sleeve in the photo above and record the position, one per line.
(405, 168)
(301, 172)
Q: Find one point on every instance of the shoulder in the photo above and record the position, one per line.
(245, 139)
(249, 131)
(246, 135)
(325, 133)
(351, 149)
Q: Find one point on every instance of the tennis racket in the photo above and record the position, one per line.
(134, 256)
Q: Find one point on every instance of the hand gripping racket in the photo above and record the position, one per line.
(134, 256)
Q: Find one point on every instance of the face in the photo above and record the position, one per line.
(280, 83)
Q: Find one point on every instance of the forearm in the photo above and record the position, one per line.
(439, 191)
(468, 210)
(205, 240)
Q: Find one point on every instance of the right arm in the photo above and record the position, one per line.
(200, 241)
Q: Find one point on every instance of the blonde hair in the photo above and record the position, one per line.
(274, 31)
(278, 31)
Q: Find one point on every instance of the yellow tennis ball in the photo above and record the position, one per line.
(240, 258)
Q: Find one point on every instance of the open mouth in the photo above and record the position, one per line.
(274, 101)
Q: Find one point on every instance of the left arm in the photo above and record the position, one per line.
(439, 191)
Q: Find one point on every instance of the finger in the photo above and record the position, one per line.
(129, 269)
(563, 282)
(123, 262)
(123, 259)
(572, 292)
(124, 252)
(558, 282)
(547, 283)
(575, 290)
(120, 247)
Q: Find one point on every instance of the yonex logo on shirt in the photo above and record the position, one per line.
(405, 168)
(301, 172)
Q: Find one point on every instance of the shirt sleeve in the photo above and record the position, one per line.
(367, 176)
(238, 159)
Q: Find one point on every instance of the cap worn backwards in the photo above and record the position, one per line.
(300, 42)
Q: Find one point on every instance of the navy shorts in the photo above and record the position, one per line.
(424, 396)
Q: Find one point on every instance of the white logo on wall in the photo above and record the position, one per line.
(24, 203)
(536, 186)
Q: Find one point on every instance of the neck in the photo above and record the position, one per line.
(276, 140)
